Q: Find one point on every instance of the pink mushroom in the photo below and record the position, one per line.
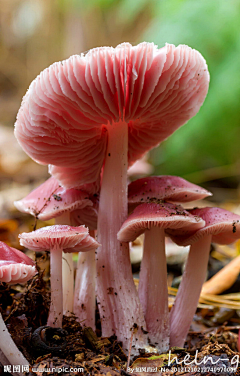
(49, 201)
(107, 108)
(58, 239)
(152, 220)
(84, 306)
(166, 187)
(222, 227)
(15, 267)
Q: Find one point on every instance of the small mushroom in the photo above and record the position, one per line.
(222, 227)
(58, 239)
(164, 187)
(152, 220)
(68, 207)
(15, 267)
(50, 200)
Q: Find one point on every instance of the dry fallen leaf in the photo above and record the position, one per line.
(8, 228)
(224, 279)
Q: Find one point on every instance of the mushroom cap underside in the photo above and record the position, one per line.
(50, 200)
(66, 238)
(15, 266)
(165, 215)
(66, 112)
(223, 225)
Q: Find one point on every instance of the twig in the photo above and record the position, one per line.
(130, 348)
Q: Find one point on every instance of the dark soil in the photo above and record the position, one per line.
(25, 311)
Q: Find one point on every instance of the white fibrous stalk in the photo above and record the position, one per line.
(189, 291)
(9, 349)
(153, 292)
(85, 290)
(67, 270)
(117, 297)
(56, 306)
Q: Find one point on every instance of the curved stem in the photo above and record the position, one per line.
(56, 307)
(189, 291)
(3, 360)
(118, 301)
(152, 291)
(9, 348)
(67, 270)
(84, 295)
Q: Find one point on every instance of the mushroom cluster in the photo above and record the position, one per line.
(58, 239)
(69, 207)
(90, 118)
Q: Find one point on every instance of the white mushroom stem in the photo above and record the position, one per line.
(56, 306)
(9, 348)
(85, 295)
(3, 360)
(67, 270)
(152, 291)
(118, 301)
(189, 291)
(67, 283)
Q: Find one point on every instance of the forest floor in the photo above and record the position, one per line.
(25, 310)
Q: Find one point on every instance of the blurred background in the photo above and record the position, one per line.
(36, 33)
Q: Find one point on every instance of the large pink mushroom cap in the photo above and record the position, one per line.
(65, 115)
(15, 266)
(165, 187)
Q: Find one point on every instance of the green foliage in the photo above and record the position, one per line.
(86, 5)
(212, 137)
(129, 10)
